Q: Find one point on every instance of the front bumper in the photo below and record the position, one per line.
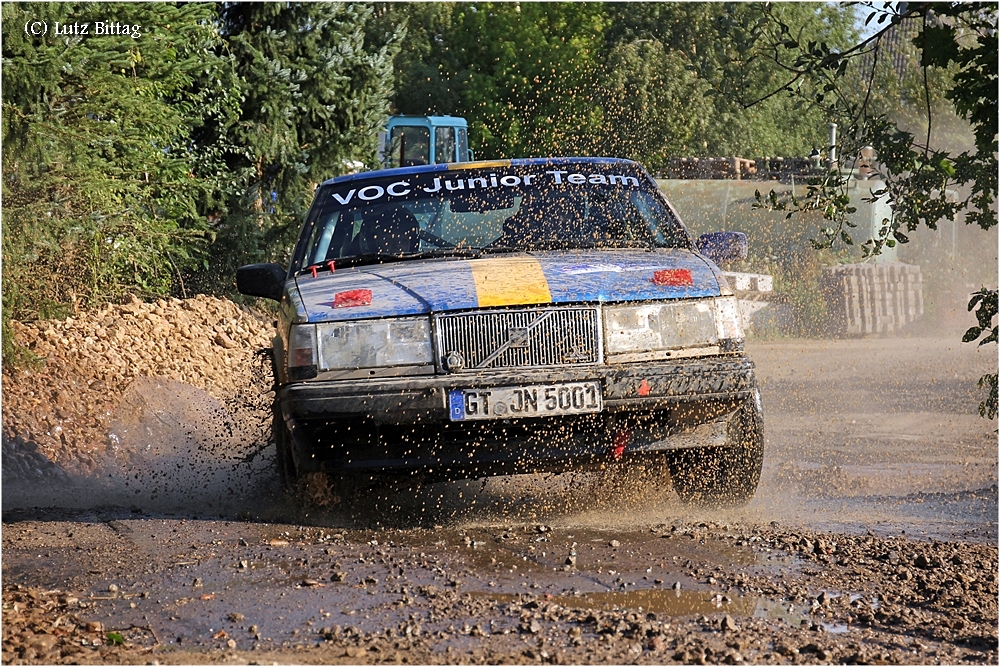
(402, 424)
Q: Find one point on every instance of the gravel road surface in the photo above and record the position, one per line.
(872, 539)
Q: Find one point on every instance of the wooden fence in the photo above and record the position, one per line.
(872, 298)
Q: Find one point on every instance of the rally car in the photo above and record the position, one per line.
(456, 321)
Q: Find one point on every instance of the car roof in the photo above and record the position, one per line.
(482, 164)
(408, 120)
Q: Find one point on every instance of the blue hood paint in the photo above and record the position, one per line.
(436, 285)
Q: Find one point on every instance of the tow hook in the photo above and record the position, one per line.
(619, 443)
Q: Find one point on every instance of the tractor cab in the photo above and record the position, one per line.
(410, 141)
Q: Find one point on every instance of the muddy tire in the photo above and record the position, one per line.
(723, 476)
(282, 437)
(283, 451)
(312, 489)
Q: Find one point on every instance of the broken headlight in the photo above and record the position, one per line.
(671, 329)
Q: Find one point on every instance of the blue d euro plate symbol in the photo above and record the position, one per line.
(456, 401)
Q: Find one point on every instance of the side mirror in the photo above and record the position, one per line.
(723, 246)
(263, 280)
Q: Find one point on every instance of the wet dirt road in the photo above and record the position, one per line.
(872, 540)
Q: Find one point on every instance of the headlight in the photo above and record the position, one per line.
(672, 329)
(727, 318)
(374, 344)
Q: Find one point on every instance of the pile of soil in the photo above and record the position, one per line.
(60, 409)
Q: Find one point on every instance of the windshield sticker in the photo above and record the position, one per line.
(601, 179)
(371, 193)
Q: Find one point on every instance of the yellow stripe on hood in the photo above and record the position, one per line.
(509, 282)
(482, 164)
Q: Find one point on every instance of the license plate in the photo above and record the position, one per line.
(531, 401)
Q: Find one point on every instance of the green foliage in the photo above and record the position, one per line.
(102, 184)
(160, 163)
(954, 45)
(984, 302)
(717, 42)
(637, 80)
(315, 84)
(521, 73)
(920, 183)
(988, 408)
(645, 86)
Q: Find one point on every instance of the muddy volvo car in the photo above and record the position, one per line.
(488, 318)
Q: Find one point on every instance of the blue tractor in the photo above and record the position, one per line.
(410, 141)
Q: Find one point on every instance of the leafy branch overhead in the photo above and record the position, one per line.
(923, 185)
(984, 302)
(954, 51)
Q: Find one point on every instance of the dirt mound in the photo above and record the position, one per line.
(65, 406)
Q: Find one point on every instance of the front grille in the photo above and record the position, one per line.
(520, 338)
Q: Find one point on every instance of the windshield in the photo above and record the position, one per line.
(468, 212)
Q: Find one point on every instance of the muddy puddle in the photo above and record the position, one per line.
(208, 573)
(671, 603)
(676, 604)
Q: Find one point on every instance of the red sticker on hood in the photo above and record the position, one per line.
(351, 299)
(673, 277)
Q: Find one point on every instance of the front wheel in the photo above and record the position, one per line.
(723, 476)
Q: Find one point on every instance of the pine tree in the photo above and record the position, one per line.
(104, 188)
(315, 92)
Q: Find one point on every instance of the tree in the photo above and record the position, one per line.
(521, 73)
(707, 36)
(924, 184)
(621, 79)
(652, 104)
(158, 163)
(103, 186)
(315, 84)
(421, 79)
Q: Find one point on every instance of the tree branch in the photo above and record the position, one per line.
(871, 81)
(927, 96)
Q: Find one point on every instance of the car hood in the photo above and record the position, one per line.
(436, 285)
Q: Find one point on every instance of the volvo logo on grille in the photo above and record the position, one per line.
(454, 362)
(576, 355)
(518, 337)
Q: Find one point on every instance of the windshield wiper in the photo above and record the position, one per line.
(353, 260)
(445, 252)
(565, 246)
(466, 252)
(384, 258)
